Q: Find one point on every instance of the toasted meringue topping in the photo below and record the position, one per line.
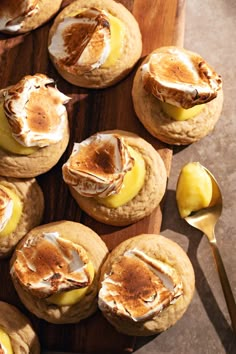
(35, 111)
(97, 166)
(49, 264)
(6, 208)
(139, 287)
(82, 41)
(13, 13)
(180, 77)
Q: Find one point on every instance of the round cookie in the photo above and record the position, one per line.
(32, 201)
(26, 15)
(59, 248)
(146, 285)
(42, 159)
(145, 201)
(22, 337)
(161, 125)
(105, 71)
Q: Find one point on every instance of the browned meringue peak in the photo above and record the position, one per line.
(6, 208)
(35, 111)
(82, 40)
(139, 287)
(97, 165)
(180, 77)
(13, 13)
(49, 264)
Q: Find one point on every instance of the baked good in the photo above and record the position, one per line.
(25, 15)
(21, 209)
(34, 130)
(16, 333)
(55, 271)
(116, 177)
(177, 96)
(94, 43)
(146, 285)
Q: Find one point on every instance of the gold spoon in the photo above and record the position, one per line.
(205, 220)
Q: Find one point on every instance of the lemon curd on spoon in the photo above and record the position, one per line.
(194, 189)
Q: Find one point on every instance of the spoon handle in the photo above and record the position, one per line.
(225, 284)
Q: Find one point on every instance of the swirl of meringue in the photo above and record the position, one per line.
(35, 111)
(97, 166)
(158, 287)
(82, 40)
(49, 264)
(180, 77)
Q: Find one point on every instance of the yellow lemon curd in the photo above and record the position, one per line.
(71, 297)
(132, 183)
(7, 142)
(5, 342)
(117, 40)
(16, 214)
(179, 113)
(194, 189)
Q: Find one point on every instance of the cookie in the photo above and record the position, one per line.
(21, 209)
(34, 130)
(146, 285)
(16, 333)
(116, 177)
(25, 15)
(94, 43)
(177, 96)
(55, 271)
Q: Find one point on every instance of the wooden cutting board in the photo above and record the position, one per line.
(161, 23)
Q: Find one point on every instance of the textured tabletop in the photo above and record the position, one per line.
(205, 328)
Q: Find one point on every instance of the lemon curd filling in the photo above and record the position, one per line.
(16, 214)
(5, 342)
(194, 189)
(116, 42)
(132, 183)
(71, 297)
(7, 142)
(179, 113)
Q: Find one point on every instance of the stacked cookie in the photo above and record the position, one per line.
(94, 43)
(177, 95)
(55, 270)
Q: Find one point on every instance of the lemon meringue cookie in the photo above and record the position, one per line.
(34, 130)
(146, 285)
(116, 177)
(177, 95)
(55, 270)
(16, 332)
(21, 209)
(25, 15)
(94, 43)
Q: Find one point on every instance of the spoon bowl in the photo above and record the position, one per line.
(205, 221)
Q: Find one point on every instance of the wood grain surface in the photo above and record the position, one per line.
(161, 23)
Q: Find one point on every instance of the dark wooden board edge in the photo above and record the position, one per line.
(89, 112)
